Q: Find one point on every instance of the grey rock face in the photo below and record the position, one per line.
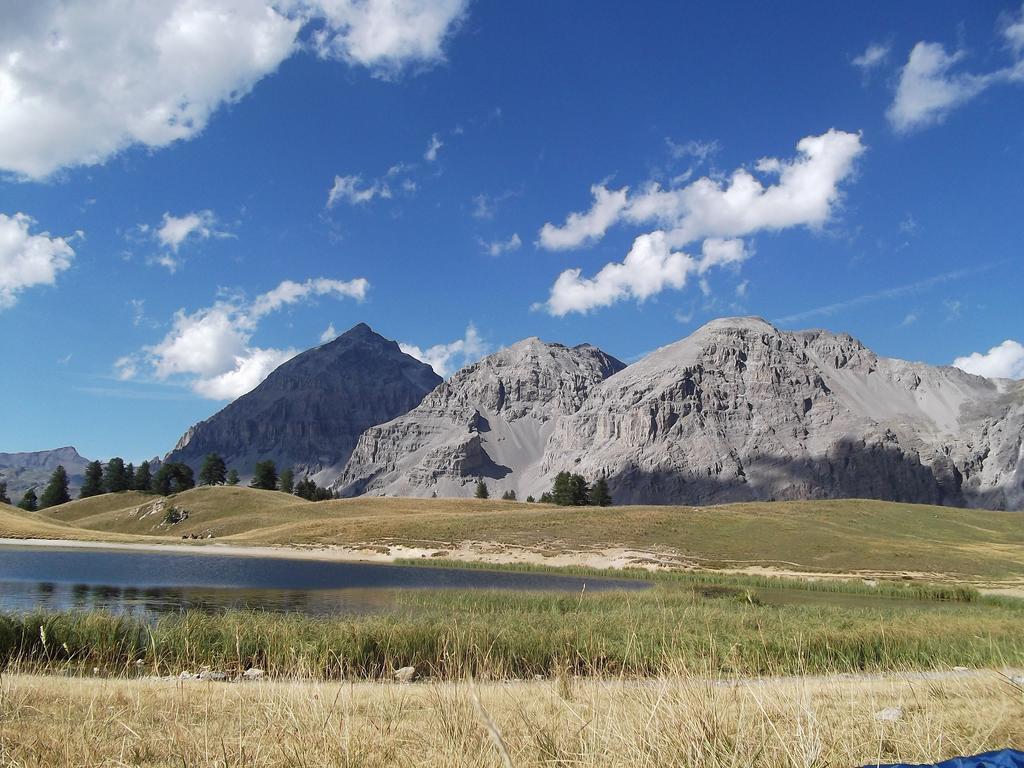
(310, 411)
(32, 469)
(742, 411)
(491, 420)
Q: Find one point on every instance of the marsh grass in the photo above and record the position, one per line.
(517, 635)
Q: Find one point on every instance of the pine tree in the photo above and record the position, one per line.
(233, 477)
(143, 478)
(545, 498)
(580, 491)
(56, 491)
(561, 491)
(481, 490)
(29, 502)
(264, 476)
(601, 496)
(173, 477)
(530, 500)
(4, 498)
(508, 496)
(213, 471)
(286, 482)
(93, 484)
(129, 473)
(115, 478)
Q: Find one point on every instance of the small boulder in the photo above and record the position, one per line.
(254, 673)
(889, 715)
(212, 675)
(405, 674)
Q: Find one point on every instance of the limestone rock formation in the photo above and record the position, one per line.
(491, 420)
(310, 411)
(742, 411)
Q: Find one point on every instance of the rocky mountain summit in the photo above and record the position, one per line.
(32, 469)
(309, 413)
(742, 411)
(491, 420)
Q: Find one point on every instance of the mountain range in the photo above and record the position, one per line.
(737, 411)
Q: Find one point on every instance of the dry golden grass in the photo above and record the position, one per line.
(60, 723)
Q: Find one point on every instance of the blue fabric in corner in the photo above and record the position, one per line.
(1003, 758)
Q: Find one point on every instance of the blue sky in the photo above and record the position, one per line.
(191, 192)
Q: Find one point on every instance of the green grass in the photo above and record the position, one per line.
(509, 634)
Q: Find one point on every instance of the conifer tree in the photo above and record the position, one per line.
(264, 476)
(4, 498)
(93, 484)
(233, 477)
(561, 491)
(115, 478)
(481, 490)
(286, 482)
(213, 471)
(173, 477)
(56, 491)
(29, 502)
(143, 478)
(601, 496)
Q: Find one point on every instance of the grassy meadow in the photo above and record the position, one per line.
(843, 537)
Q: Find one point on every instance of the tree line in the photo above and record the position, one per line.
(568, 490)
(171, 477)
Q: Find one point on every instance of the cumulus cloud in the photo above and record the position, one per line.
(329, 334)
(498, 247)
(212, 347)
(28, 259)
(433, 147)
(175, 230)
(65, 100)
(874, 55)
(350, 189)
(701, 151)
(930, 89)
(583, 228)
(1004, 361)
(445, 359)
(804, 193)
(387, 35)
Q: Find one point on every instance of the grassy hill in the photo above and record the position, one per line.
(818, 536)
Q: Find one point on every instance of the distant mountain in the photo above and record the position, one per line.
(310, 411)
(33, 469)
(741, 411)
(491, 420)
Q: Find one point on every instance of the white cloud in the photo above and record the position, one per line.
(329, 334)
(290, 292)
(387, 35)
(873, 56)
(212, 347)
(126, 368)
(175, 230)
(701, 151)
(929, 89)
(649, 267)
(742, 288)
(351, 190)
(165, 260)
(909, 319)
(1005, 361)
(581, 228)
(433, 147)
(81, 80)
(28, 259)
(445, 359)
(717, 212)
(249, 370)
(498, 247)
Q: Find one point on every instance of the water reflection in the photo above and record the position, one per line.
(153, 583)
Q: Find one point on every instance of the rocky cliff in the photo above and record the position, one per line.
(741, 411)
(310, 411)
(491, 420)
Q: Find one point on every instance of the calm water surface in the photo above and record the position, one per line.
(153, 583)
